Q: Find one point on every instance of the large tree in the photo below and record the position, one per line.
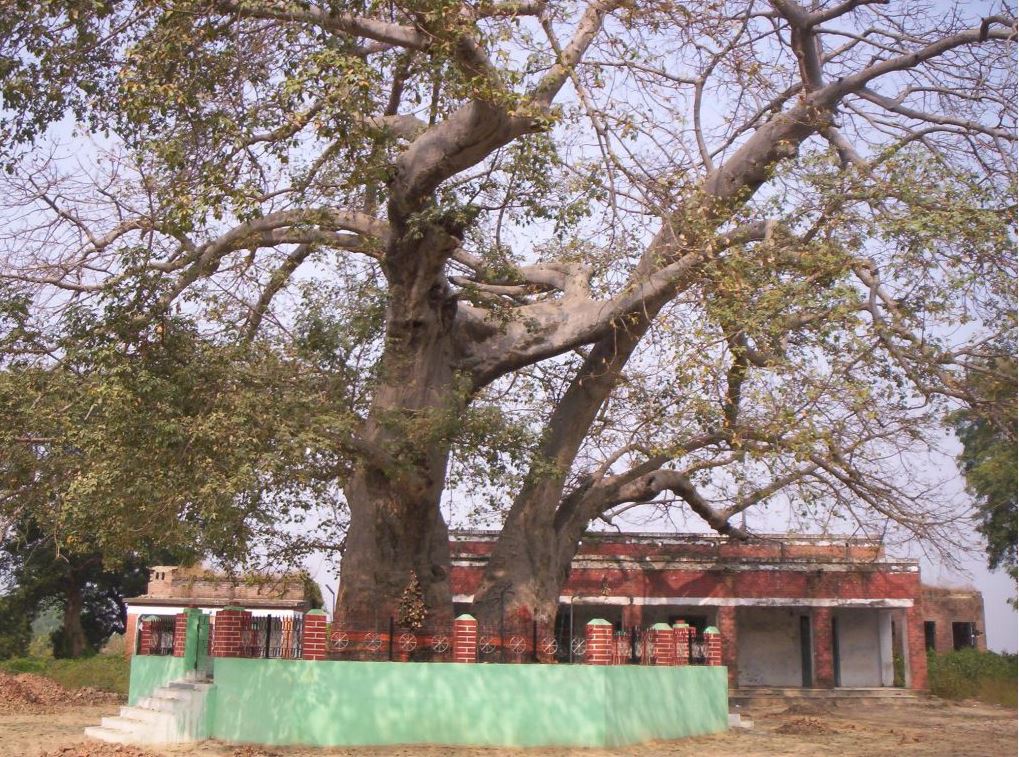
(987, 431)
(593, 254)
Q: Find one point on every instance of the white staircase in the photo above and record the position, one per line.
(173, 714)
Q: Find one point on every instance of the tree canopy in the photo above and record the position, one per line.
(989, 456)
(554, 261)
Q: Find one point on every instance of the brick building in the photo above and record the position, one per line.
(811, 611)
(173, 589)
(953, 619)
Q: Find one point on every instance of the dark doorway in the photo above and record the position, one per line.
(929, 635)
(697, 622)
(806, 657)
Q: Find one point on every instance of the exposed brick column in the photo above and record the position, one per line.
(664, 644)
(227, 640)
(598, 639)
(725, 622)
(130, 635)
(145, 633)
(824, 665)
(180, 633)
(915, 648)
(313, 635)
(681, 638)
(465, 639)
(713, 645)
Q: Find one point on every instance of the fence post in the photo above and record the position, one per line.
(664, 644)
(180, 633)
(313, 635)
(599, 641)
(227, 639)
(713, 645)
(145, 634)
(465, 639)
(681, 637)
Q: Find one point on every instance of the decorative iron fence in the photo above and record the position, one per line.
(387, 641)
(271, 637)
(156, 637)
(520, 642)
(506, 642)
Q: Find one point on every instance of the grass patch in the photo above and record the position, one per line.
(972, 674)
(106, 672)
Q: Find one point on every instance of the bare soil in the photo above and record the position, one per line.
(924, 728)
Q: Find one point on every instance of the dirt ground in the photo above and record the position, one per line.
(849, 730)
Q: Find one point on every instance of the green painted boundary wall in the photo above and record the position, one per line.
(327, 703)
(149, 672)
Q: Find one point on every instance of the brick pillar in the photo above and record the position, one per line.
(664, 644)
(681, 639)
(145, 633)
(713, 645)
(820, 630)
(313, 635)
(915, 651)
(725, 622)
(227, 641)
(465, 639)
(130, 635)
(598, 638)
(180, 633)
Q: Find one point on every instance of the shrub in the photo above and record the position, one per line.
(106, 672)
(972, 674)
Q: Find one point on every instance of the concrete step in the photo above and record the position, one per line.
(763, 694)
(127, 725)
(145, 714)
(161, 704)
(107, 734)
(173, 714)
(173, 692)
(190, 685)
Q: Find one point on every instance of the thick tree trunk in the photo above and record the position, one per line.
(73, 640)
(396, 527)
(531, 560)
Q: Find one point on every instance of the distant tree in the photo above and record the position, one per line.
(989, 460)
(15, 627)
(161, 446)
(89, 594)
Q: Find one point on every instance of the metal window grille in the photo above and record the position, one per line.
(160, 633)
(272, 637)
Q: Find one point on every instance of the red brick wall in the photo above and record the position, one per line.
(917, 653)
(947, 606)
(180, 632)
(465, 639)
(858, 583)
(822, 642)
(145, 634)
(725, 621)
(313, 639)
(693, 547)
(226, 640)
(130, 635)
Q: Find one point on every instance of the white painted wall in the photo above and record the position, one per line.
(860, 652)
(884, 629)
(768, 652)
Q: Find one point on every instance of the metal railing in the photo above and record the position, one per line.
(271, 637)
(156, 636)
